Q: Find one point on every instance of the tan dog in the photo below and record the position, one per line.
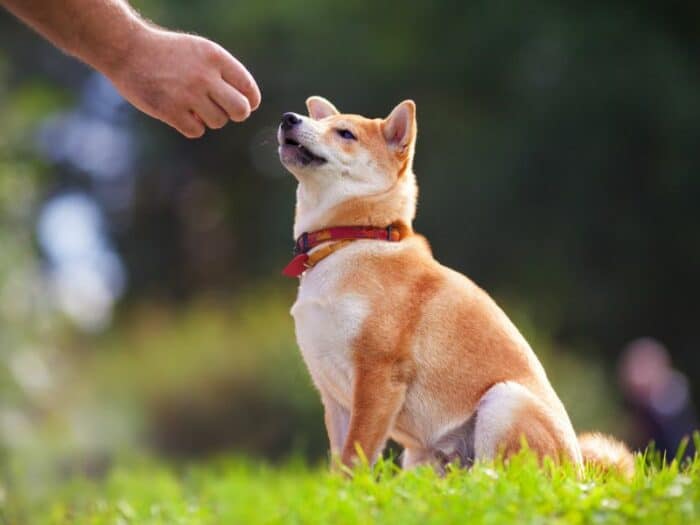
(398, 345)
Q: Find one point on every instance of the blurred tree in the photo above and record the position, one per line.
(27, 321)
(557, 153)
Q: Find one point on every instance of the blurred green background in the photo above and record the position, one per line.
(141, 302)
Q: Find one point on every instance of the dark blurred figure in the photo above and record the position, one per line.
(658, 396)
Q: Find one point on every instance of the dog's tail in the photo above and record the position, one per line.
(606, 453)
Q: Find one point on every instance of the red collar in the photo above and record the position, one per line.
(309, 240)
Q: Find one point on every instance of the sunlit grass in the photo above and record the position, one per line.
(239, 490)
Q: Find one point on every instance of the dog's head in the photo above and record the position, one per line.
(339, 158)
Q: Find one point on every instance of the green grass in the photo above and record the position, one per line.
(233, 491)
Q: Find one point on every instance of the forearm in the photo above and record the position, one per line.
(184, 80)
(98, 32)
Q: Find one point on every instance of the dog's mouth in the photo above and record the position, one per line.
(300, 152)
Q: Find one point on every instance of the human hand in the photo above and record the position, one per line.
(186, 81)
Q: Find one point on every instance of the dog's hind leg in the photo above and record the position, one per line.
(509, 412)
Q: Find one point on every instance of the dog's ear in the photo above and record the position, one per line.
(320, 108)
(399, 128)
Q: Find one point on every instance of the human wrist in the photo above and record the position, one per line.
(121, 45)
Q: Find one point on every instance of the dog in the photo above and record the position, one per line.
(398, 345)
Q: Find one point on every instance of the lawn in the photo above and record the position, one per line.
(239, 490)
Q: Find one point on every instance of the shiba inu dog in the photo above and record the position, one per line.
(398, 345)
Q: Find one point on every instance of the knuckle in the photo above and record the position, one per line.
(213, 55)
(197, 80)
(210, 51)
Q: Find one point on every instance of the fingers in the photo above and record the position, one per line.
(190, 125)
(219, 89)
(230, 100)
(235, 74)
(210, 112)
(197, 118)
(214, 110)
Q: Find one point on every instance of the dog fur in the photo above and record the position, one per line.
(398, 345)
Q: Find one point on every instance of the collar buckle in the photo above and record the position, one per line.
(302, 244)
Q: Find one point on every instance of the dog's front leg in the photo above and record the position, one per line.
(336, 418)
(378, 395)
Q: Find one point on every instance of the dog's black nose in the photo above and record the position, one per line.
(289, 120)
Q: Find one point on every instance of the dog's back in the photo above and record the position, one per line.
(397, 344)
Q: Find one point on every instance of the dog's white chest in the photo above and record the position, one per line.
(327, 323)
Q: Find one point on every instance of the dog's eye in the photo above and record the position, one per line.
(346, 134)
